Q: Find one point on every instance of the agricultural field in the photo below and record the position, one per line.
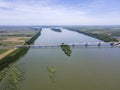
(15, 35)
(12, 36)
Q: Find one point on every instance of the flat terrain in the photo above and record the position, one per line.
(11, 36)
(7, 53)
(15, 36)
(105, 33)
(3, 50)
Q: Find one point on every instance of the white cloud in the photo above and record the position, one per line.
(43, 12)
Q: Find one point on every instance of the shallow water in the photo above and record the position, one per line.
(86, 69)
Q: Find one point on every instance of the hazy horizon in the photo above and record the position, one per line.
(57, 25)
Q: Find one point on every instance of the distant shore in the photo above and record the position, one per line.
(104, 37)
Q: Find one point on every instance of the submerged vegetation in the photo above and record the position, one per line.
(66, 49)
(52, 71)
(11, 73)
(14, 56)
(12, 76)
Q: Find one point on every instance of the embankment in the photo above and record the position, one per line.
(17, 53)
(31, 40)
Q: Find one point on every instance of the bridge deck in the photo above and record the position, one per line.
(105, 45)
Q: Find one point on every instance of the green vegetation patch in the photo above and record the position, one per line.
(18, 53)
(66, 49)
(106, 34)
(51, 69)
(14, 56)
(56, 29)
(12, 76)
(3, 50)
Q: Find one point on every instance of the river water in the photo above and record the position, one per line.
(49, 37)
(86, 69)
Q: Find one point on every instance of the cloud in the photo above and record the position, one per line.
(37, 12)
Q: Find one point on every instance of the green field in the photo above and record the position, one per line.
(3, 50)
(10, 36)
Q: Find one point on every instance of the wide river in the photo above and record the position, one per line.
(86, 68)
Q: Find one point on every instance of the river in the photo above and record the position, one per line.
(86, 68)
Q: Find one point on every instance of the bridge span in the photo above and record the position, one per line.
(73, 45)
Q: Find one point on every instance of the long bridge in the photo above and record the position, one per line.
(73, 45)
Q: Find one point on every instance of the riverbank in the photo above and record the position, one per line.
(7, 53)
(14, 54)
(101, 34)
(13, 36)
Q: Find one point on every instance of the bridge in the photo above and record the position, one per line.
(73, 45)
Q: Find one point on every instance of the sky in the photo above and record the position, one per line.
(59, 12)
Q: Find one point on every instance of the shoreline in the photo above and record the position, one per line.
(105, 38)
(16, 53)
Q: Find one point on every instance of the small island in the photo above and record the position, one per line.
(66, 49)
(56, 29)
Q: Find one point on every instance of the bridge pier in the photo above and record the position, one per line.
(86, 45)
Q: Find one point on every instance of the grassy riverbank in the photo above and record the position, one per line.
(13, 54)
(107, 34)
(12, 36)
